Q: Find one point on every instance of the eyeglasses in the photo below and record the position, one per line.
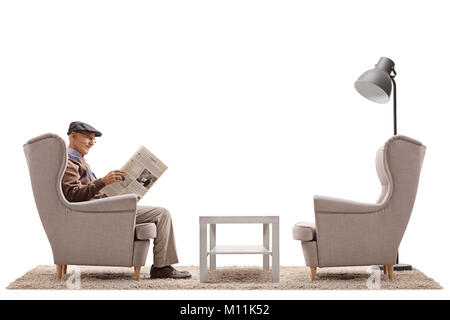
(89, 137)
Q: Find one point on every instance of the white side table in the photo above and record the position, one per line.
(263, 249)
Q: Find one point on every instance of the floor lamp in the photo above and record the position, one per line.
(376, 85)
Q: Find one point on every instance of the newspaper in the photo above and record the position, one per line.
(142, 170)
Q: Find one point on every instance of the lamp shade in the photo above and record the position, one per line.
(376, 84)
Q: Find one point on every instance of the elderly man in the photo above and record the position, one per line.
(79, 183)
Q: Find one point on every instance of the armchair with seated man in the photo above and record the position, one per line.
(83, 225)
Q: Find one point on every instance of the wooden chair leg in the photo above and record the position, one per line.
(390, 268)
(313, 273)
(59, 268)
(137, 273)
(64, 269)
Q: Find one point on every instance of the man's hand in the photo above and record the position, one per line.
(114, 176)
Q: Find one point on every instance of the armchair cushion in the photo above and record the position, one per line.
(145, 231)
(304, 231)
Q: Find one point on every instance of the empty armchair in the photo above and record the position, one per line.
(349, 233)
(100, 232)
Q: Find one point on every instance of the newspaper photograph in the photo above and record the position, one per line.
(142, 171)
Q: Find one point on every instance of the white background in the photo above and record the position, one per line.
(251, 105)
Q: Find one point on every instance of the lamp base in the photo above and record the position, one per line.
(403, 267)
(399, 267)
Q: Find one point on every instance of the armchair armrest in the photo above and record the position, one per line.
(324, 204)
(100, 232)
(126, 202)
(349, 233)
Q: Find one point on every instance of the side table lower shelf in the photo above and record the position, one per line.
(239, 249)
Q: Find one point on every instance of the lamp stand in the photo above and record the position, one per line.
(394, 84)
(397, 266)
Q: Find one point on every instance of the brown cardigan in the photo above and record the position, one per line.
(76, 185)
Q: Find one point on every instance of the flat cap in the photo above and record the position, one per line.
(78, 126)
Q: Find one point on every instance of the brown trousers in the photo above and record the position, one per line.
(164, 248)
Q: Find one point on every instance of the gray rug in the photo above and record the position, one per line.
(225, 278)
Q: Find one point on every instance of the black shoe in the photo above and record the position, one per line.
(168, 272)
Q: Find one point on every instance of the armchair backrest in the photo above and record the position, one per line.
(46, 157)
(399, 164)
